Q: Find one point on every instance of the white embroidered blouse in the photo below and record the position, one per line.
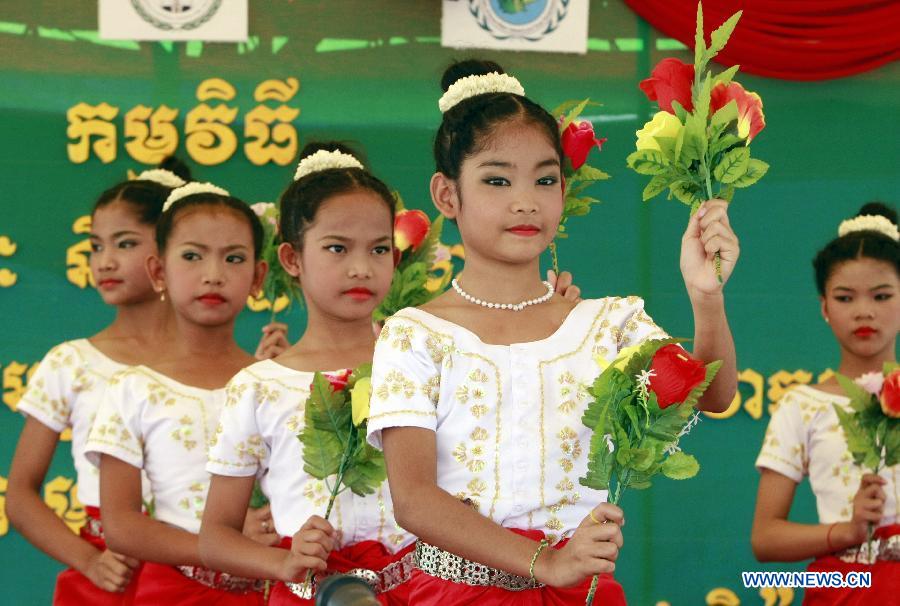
(65, 392)
(157, 424)
(257, 436)
(510, 440)
(804, 438)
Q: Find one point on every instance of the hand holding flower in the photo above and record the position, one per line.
(708, 232)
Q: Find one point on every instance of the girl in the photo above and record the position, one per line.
(478, 395)
(337, 222)
(160, 418)
(858, 278)
(64, 393)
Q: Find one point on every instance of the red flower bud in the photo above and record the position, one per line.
(410, 228)
(750, 114)
(339, 381)
(670, 80)
(675, 375)
(577, 141)
(890, 395)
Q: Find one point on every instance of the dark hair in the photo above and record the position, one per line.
(179, 207)
(868, 244)
(146, 197)
(466, 127)
(176, 166)
(302, 199)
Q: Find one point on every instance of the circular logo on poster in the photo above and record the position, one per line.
(171, 15)
(526, 19)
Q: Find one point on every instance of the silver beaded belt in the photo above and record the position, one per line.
(451, 567)
(221, 580)
(882, 549)
(389, 577)
(93, 527)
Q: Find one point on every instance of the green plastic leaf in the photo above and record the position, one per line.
(725, 142)
(859, 443)
(687, 192)
(656, 186)
(733, 165)
(860, 399)
(726, 76)
(647, 162)
(609, 390)
(701, 102)
(699, 42)
(679, 111)
(589, 173)
(573, 114)
(756, 169)
(680, 466)
(726, 193)
(367, 470)
(889, 367)
(721, 34)
(725, 114)
(892, 443)
(600, 463)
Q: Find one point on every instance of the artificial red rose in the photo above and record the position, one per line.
(577, 141)
(890, 395)
(750, 110)
(339, 381)
(410, 228)
(675, 375)
(670, 80)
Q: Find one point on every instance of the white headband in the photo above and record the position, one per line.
(471, 86)
(882, 225)
(162, 176)
(324, 160)
(190, 189)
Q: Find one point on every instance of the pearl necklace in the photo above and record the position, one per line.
(512, 306)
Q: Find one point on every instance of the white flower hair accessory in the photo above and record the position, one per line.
(470, 86)
(190, 189)
(323, 160)
(164, 177)
(882, 225)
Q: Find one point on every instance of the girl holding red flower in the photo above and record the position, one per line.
(336, 220)
(858, 278)
(478, 395)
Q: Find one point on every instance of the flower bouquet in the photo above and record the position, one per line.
(697, 145)
(280, 289)
(872, 426)
(643, 403)
(417, 249)
(334, 434)
(578, 139)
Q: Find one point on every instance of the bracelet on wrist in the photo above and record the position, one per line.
(541, 547)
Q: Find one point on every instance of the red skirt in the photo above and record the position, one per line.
(75, 589)
(370, 555)
(426, 590)
(885, 587)
(161, 584)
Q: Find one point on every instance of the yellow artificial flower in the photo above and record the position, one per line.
(663, 124)
(359, 400)
(625, 356)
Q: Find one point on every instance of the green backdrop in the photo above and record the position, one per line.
(368, 73)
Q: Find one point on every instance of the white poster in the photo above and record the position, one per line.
(559, 26)
(206, 20)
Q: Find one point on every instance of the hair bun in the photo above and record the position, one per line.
(878, 209)
(317, 146)
(469, 67)
(176, 166)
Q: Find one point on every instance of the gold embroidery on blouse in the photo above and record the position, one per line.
(570, 446)
(595, 323)
(395, 383)
(184, 433)
(233, 393)
(432, 389)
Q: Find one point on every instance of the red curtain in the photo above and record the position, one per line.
(789, 39)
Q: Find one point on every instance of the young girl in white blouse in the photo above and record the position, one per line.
(478, 395)
(160, 418)
(858, 279)
(336, 220)
(64, 392)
